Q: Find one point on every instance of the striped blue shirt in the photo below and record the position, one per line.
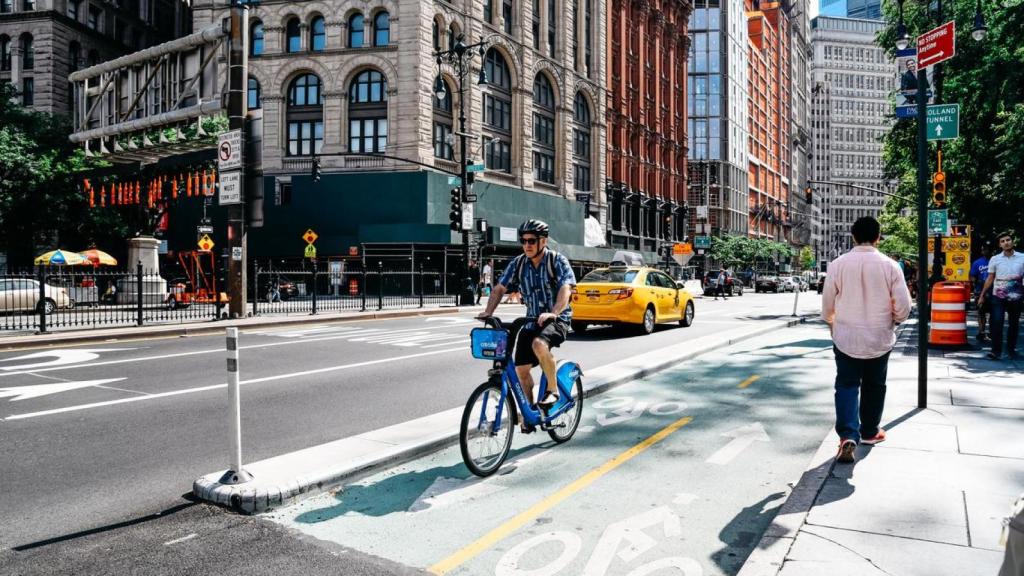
(535, 284)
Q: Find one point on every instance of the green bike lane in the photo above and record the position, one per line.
(680, 473)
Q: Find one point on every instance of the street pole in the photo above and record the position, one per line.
(466, 291)
(237, 109)
(922, 243)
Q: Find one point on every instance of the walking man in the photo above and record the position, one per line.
(486, 280)
(1005, 271)
(723, 278)
(864, 298)
(979, 273)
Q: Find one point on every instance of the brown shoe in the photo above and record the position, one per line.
(845, 454)
(879, 437)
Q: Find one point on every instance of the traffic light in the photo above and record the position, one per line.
(939, 189)
(317, 172)
(470, 176)
(455, 216)
(809, 194)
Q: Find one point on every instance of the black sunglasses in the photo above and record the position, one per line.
(529, 241)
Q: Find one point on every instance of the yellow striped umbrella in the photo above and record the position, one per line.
(60, 257)
(98, 257)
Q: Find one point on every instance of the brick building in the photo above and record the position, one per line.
(647, 49)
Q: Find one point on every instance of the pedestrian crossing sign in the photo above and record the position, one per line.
(310, 251)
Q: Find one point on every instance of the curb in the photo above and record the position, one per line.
(770, 553)
(212, 327)
(248, 500)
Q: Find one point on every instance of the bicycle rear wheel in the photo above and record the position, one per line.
(485, 435)
(565, 425)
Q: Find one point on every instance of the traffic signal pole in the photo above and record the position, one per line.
(923, 311)
(237, 109)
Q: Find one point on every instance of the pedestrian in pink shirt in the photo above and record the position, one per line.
(864, 298)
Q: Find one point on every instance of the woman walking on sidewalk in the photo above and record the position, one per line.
(864, 298)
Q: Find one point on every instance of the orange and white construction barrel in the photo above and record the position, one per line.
(949, 315)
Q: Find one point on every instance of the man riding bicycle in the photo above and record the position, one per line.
(545, 280)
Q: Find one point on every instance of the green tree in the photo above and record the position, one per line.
(806, 258)
(41, 206)
(986, 78)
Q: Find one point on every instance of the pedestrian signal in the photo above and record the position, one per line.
(316, 169)
(808, 194)
(455, 215)
(939, 189)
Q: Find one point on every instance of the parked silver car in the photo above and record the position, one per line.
(22, 294)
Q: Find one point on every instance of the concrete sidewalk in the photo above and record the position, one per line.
(928, 501)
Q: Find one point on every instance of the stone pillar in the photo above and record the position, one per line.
(154, 288)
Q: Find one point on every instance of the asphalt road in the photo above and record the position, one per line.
(81, 459)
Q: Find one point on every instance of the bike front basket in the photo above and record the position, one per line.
(489, 343)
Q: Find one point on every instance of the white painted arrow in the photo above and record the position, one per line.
(931, 57)
(60, 357)
(938, 130)
(742, 438)
(26, 392)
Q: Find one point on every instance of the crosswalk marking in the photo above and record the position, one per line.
(436, 335)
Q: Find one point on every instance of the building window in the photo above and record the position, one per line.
(293, 33)
(355, 31)
(75, 56)
(535, 25)
(255, 95)
(256, 39)
(368, 113)
(453, 36)
(382, 29)
(5, 53)
(488, 12)
(437, 37)
(587, 34)
(95, 18)
(28, 89)
(73, 8)
(543, 130)
(552, 27)
(305, 116)
(498, 111)
(28, 52)
(28, 5)
(318, 35)
(443, 125)
(506, 14)
(94, 57)
(6, 6)
(581, 143)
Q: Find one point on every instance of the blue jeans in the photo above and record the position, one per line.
(1001, 307)
(860, 395)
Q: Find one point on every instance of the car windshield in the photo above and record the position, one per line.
(609, 275)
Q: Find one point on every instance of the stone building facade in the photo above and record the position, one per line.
(337, 77)
(852, 80)
(647, 48)
(43, 41)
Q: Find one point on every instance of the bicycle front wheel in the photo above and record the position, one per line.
(565, 425)
(486, 432)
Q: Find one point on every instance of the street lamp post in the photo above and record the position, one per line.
(458, 56)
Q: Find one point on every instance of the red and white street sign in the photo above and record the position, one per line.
(936, 45)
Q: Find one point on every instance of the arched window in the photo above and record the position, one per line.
(255, 95)
(453, 35)
(5, 53)
(305, 116)
(293, 35)
(443, 124)
(94, 57)
(382, 29)
(28, 53)
(368, 113)
(581, 143)
(75, 56)
(543, 130)
(498, 112)
(318, 35)
(355, 31)
(256, 39)
(437, 37)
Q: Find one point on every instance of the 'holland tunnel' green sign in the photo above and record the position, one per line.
(943, 122)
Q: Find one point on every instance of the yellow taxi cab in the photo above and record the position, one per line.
(630, 295)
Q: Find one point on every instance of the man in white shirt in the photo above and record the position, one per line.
(1005, 274)
(864, 298)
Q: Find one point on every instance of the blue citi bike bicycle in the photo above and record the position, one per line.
(490, 417)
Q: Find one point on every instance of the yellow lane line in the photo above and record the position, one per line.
(499, 533)
(749, 381)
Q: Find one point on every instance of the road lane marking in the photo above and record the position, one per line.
(216, 386)
(749, 381)
(742, 438)
(179, 540)
(62, 357)
(517, 522)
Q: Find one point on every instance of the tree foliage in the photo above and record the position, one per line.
(744, 251)
(984, 165)
(40, 205)
(807, 258)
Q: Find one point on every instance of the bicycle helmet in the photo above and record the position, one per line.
(538, 227)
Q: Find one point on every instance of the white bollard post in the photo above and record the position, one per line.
(796, 298)
(234, 475)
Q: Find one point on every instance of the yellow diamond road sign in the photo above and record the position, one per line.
(205, 244)
(310, 236)
(310, 251)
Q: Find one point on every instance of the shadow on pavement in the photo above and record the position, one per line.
(742, 533)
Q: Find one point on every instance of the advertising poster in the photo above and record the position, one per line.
(906, 83)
